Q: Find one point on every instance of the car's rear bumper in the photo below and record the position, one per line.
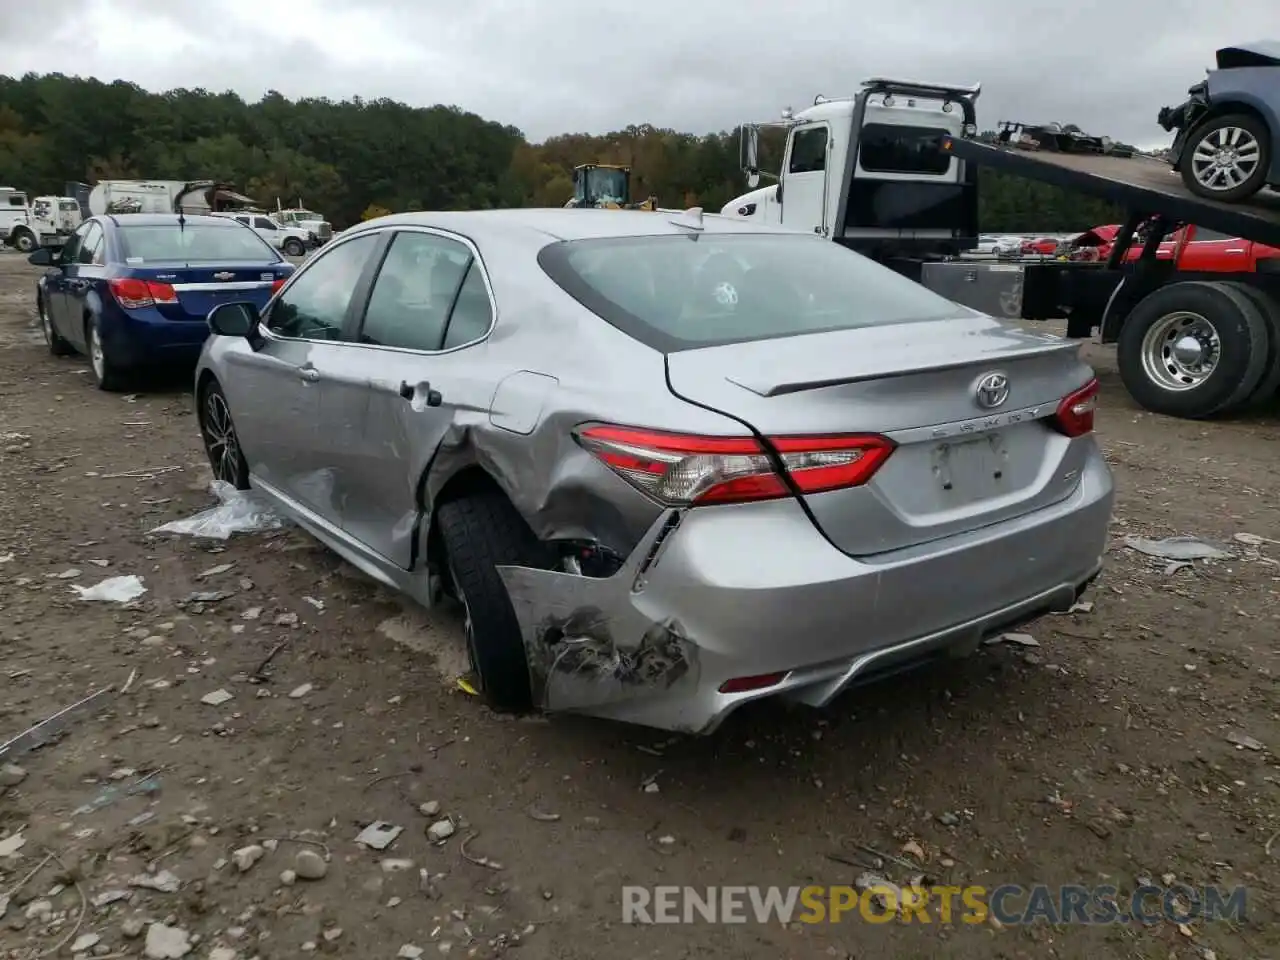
(756, 590)
(145, 338)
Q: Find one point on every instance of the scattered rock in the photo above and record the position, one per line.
(217, 698)
(297, 693)
(430, 808)
(948, 819)
(84, 942)
(246, 857)
(409, 952)
(1243, 742)
(223, 953)
(132, 928)
(289, 877)
(11, 775)
(440, 831)
(309, 865)
(164, 881)
(913, 849)
(166, 943)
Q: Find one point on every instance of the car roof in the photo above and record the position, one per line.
(561, 223)
(164, 219)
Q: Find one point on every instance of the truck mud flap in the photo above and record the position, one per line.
(595, 641)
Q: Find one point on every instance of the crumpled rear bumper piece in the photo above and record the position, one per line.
(714, 594)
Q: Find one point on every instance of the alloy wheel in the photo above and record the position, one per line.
(220, 441)
(96, 356)
(1225, 158)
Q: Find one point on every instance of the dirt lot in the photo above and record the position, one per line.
(1102, 755)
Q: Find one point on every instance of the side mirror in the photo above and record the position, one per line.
(44, 257)
(750, 154)
(777, 194)
(237, 319)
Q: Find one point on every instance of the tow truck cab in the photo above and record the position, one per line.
(871, 172)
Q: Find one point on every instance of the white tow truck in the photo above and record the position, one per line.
(892, 172)
(45, 222)
(319, 230)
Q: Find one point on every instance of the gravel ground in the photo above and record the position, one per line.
(1137, 740)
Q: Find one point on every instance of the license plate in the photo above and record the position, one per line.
(971, 469)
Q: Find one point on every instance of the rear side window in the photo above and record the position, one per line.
(886, 148)
(684, 292)
(193, 243)
(415, 289)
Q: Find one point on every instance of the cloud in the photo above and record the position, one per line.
(555, 66)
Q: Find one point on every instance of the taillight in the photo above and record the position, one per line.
(275, 287)
(132, 293)
(680, 469)
(1075, 413)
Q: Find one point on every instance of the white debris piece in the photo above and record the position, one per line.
(246, 857)
(440, 831)
(1178, 548)
(217, 698)
(238, 511)
(166, 943)
(86, 941)
(113, 589)
(11, 845)
(297, 693)
(164, 882)
(409, 952)
(379, 835)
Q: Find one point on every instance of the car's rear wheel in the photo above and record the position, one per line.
(1228, 158)
(482, 531)
(107, 374)
(294, 247)
(221, 444)
(1193, 349)
(58, 346)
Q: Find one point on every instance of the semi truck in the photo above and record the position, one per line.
(892, 172)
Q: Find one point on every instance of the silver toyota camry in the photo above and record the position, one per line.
(666, 463)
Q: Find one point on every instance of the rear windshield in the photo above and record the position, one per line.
(193, 243)
(679, 293)
(889, 148)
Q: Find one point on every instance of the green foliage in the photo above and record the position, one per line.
(347, 158)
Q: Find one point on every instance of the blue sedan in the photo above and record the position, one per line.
(133, 291)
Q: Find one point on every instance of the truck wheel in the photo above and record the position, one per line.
(24, 241)
(1227, 158)
(294, 247)
(1268, 387)
(1193, 349)
(482, 531)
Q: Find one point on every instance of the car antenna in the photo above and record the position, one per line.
(691, 219)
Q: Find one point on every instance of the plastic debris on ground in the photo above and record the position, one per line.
(113, 589)
(238, 511)
(1179, 548)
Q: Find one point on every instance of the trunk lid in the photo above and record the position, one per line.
(201, 288)
(957, 466)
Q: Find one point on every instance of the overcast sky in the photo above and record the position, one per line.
(556, 66)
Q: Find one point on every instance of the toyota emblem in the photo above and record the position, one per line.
(992, 390)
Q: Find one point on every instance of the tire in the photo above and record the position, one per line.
(1164, 383)
(107, 374)
(1268, 388)
(58, 346)
(482, 531)
(218, 433)
(1237, 127)
(294, 247)
(24, 241)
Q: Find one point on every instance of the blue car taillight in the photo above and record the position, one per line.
(132, 293)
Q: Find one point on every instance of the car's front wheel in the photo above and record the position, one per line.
(24, 241)
(221, 444)
(482, 531)
(1228, 158)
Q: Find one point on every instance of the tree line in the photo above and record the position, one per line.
(355, 158)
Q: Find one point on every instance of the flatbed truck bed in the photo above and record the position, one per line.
(1189, 344)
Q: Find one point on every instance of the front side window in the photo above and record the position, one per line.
(808, 150)
(415, 289)
(262, 223)
(889, 148)
(679, 293)
(314, 306)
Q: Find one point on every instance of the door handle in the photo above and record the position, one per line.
(1236, 250)
(409, 391)
(309, 374)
